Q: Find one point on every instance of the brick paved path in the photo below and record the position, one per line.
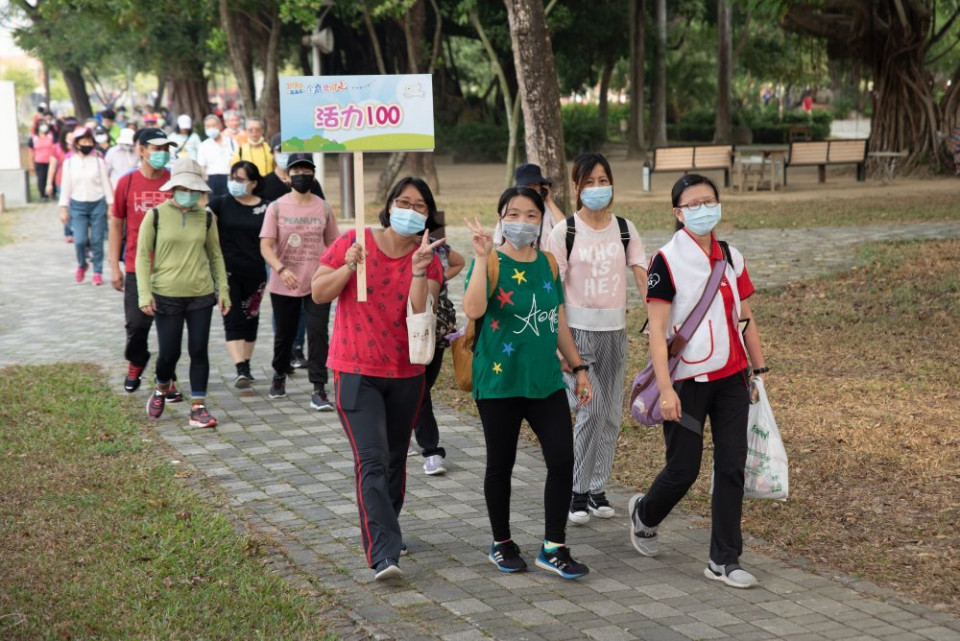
(288, 471)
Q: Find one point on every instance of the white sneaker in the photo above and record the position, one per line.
(433, 465)
(731, 574)
(644, 538)
(412, 449)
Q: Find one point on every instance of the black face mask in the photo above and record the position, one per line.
(301, 182)
(85, 149)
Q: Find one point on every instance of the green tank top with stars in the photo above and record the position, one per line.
(516, 352)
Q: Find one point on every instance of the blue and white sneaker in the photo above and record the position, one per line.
(562, 563)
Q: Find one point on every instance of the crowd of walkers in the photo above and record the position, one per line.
(216, 223)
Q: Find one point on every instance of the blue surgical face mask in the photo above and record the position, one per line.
(213, 132)
(282, 158)
(236, 189)
(702, 221)
(407, 222)
(520, 235)
(596, 198)
(186, 198)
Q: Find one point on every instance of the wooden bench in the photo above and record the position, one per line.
(827, 152)
(694, 158)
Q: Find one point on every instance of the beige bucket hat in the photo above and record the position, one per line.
(186, 173)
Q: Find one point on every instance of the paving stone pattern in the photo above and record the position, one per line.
(288, 471)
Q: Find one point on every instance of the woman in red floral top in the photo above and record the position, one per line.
(378, 390)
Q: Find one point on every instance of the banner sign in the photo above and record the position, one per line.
(356, 113)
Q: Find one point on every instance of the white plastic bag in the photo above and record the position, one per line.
(421, 333)
(766, 472)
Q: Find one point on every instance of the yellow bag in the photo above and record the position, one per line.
(462, 347)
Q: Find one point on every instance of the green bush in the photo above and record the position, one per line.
(582, 129)
(474, 142)
(766, 125)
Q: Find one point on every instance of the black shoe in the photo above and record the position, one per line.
(599, 506)
(562, 563)
(386, 569)
(578, 508)
(173, 394)
(248, 371)
(297, 361)
(132, 382)
(506, 556)
(243, 378)
(319, 401)
(278, 388)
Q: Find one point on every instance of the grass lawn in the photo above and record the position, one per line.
(864, 385)
(100, 539)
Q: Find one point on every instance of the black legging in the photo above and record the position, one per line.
(170, 337)
(549, 419)
(426, 429)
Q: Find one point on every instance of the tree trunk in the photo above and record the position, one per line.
(539, 92)
(950, 105)
(635, 143)
(508, 99)
(161, 88)
(269, 103)
(240, 55)
(78, 92)
(46, 83)
(188, 95)
(605, 76)
(659, 114)
(724, 72)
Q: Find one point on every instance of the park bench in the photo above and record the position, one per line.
(827, 152)
(694, 158)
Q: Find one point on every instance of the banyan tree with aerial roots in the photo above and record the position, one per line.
(897, 41)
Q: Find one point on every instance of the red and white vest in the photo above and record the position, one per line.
(689, 266)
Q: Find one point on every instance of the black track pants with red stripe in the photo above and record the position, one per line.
(377, 415)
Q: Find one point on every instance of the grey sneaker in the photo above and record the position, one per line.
(319, 401)
(578, 508)
(644, 538)
(433, 465)
(731, 574)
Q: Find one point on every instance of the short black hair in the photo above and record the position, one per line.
(420, 185)
(252, 174)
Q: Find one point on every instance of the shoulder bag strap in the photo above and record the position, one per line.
(693, 321)
(571, 232)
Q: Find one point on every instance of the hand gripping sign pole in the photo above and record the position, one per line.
(360, 225)
(354, 114)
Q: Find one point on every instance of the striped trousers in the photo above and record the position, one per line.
(598, 424)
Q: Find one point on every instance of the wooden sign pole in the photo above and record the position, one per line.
(360, 224)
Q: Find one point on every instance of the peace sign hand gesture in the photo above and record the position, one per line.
(424, 255)
(482, 241)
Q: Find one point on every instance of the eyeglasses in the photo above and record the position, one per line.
(406, 203)
(698, 206)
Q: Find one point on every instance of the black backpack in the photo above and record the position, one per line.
(572, 231)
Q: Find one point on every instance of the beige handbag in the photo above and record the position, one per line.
(421, 333)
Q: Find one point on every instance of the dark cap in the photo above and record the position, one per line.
(154, 136)
(301, 159)
(529, 174)
(109, 114)
(275, 141)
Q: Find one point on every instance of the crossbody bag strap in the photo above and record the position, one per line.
(693, 321)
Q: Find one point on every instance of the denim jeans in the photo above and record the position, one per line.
(89, 222)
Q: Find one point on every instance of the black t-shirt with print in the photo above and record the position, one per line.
(239, 226)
